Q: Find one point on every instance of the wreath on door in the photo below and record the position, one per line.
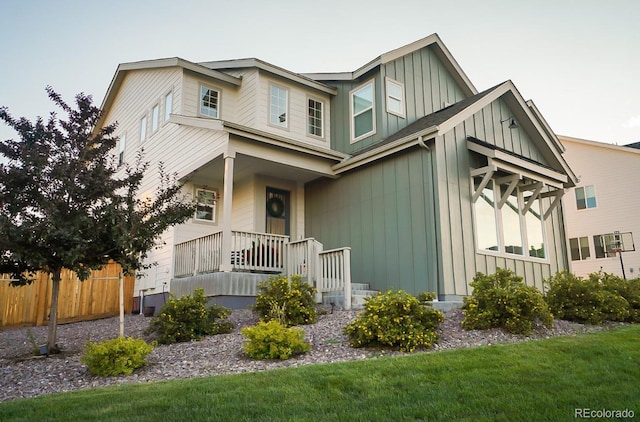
(275, 207)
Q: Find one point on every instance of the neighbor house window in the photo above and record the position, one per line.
(168, 106)
(362, 112)
(605, 245)
(314, 123)
(155, 117)
(206, 205)
(503, 226)
(143, 129)
(395, 97)
(585, 197)
(121, 146)
(579, 248)
(278, 104)
(209, 102)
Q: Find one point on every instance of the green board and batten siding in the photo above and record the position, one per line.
(384, 211)
(428, 88)
(409, 217)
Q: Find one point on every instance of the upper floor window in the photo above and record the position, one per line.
(209, 102)
(168, 106)
(585, 197)
(121, 146)
(579, 248)
(314, 125)
(278, 104)
(395, 98)
(143, 129)
(362, 112)
(155, 117)
(206, 205)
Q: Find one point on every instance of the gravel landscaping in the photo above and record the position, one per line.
(23, 375)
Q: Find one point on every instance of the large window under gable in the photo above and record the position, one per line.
(362, 106)
(512, 197)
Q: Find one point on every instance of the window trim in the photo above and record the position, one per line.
(122, 145)
(586, 198)
(389, 97)
(200, 101)
(155, 118)
(286, 113)
(352, 116)
(581, 257)
(214, 206)
(322, 113)
(143, 128)
(166, 115)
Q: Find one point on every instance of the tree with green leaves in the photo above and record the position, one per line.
(64, 203)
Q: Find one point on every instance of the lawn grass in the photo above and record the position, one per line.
(536, 380)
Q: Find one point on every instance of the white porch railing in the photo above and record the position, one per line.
(258, 251)
(327, 271)
(335, 273)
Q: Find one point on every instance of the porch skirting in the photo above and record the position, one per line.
(219, 284)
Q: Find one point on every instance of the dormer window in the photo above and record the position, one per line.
(209, 102)
(278, 104)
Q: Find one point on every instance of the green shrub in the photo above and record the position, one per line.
(272, 340)
(629, 290)
(119, 356)
(395, 319)
(502, 300)
(592, 300)
(188, 318)
(291, 301)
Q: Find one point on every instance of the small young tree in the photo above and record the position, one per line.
(63, 206)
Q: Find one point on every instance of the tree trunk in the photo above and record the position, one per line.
(53, 313)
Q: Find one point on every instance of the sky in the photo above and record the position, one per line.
(578, 60)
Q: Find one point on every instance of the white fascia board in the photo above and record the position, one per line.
(275, 70)
(545, 124)
(384, 150)
(197, 122)
(283, 142)
(619, 148)
(512, 164)
(176, 61)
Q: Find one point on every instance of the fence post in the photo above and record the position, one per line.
(346, 267)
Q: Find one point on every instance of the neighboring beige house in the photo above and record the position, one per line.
(397, 175)
(606, 200)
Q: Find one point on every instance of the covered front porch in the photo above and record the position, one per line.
(199, 263)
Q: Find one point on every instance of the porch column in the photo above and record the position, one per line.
(227, 195)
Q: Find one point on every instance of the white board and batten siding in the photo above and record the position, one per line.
(614, 172)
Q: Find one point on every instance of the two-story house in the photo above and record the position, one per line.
(399, 174)
(602, 210)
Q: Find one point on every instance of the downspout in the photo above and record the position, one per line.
(422, 143)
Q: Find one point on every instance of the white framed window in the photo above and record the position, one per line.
(315, 117)
(278, 106)
(121, 147)
(155, 117)
(585, 197)
(362, 110)
(143, 129)
(579, 248)
(209, 101)
(168, 106)
(508, 220)
(395, 97)
(206, 201)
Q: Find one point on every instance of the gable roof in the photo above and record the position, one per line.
(442, 121)
(124, 68)
(268, 67)
(433, 41)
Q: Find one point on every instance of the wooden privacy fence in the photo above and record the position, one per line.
(95, 298)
